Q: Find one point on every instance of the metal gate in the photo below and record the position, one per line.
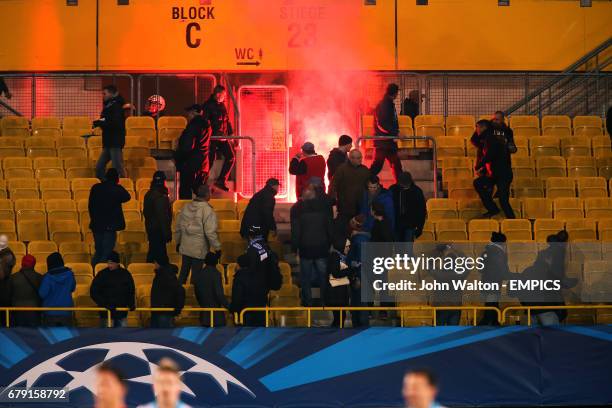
(264, 116)
(178, 90)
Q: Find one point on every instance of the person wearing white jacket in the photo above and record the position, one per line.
(196, 233)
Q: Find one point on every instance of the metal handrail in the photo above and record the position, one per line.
(211, 310)
(10, 108)
(342, 309)
(253, 159)
(564, 74)
(528, 309)
(431, 139)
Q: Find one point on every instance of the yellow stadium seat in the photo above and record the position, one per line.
(11, 152)
(178, 205)
(568, 208)
(46, 126)
(428, 125)
(83, 183)
(601, 145)
(169, 129)
(581, 166)
(527, 187)
(450, 174)
(525, 125)
(544, 146)
(16, 163)
(136, 141)
(534, 208)
(32, 230)
(229, 230)
(576, 146)
(54, 183)
(79, 172)
(598, 208)
(604, 167)
(460, 125)
(127, 183)
(604, 227)
(451, 230)
(550, 167)
(225, 208)
(521, 252)
(142, 269)
(137, 122)
(72, 151)
(405, 129)
(12, 173)
(587, 126)
(76, 252)
(55, 193)
(231, 250)
(462, 189)
(76, 122)
(450, 146)
(523, 166)
(64, 231)
(73, 141)
(14, 126)
(543, 227)
(49, 173)
(560, 187)
(592, 187)
(480, 230)
(560, 125)
(522, 147)
(6, 210)
(441, 208)
(40, 146)
(516, 229)
(428, 232)
(7, 227)
(12, 141)
(581, 229)
(141, 172)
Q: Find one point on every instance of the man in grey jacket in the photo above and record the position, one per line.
(196, 233)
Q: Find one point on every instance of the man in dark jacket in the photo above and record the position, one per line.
(209, 290)
(106, 214)
(260, 210)
(386, 124)
(112, 122)
(221, 125)
(501, 129)
(495, 170)
(348, 185)
(376, 193)
(495, 270)
(56, 291)
(112, 288)
(338, 155)
(24, 293)
(263, 262)
(248, 291)
(7, 263)
(191, 156)
(311, 238)
(166, 292)
(410, 208)
(158, 219)
(411, 105)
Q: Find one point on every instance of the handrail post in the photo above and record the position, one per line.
(109, 320)
(8, 320)
(528, 316)
(267, 317)
(309, 318)
(341, 319)
(212, 318)
(435, 312)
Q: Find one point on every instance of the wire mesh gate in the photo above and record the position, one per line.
(264, 115)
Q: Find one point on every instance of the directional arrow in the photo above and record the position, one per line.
(248, 63)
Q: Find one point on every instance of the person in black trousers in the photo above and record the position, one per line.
(495, 171)
(260, 210)
(386, 124)
(112, 122)
(158, 219)
(106, 214)
(191, 156)
(216, 111)
(410, 209)
(166, 292)
(208, 287)
(495, 270)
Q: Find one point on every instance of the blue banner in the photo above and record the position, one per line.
(283, 367)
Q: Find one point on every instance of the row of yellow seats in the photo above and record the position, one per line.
(168, 128)
(456, 230)
(56, 188)
(556, 187)
(599, 146)
(463, 125)
(91, 153)
(48, 166)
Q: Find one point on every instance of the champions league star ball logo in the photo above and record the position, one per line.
(76, 369)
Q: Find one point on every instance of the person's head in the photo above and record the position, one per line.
(167, 383)
(499, 118)
(420, 388)
(28, 262)
(159, 179)
(211, 259)
(561, 236)
(498, 237)
(219, 93)
(405, 179)
(274, 184)
(482, 125)
(109, 92)
(113, 262)
(112, 175)
(378, 210)
(355, 157)
(202, 193)
(3, 241)
(392, 91)
(345, 143)
(193, 111)
(308, 149)
(110, 386)
(356, 223)
(54, 260)
(415, 96)
(373, 184)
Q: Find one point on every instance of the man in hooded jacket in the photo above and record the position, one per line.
(112, 122)
(56, 291)
(158, 219)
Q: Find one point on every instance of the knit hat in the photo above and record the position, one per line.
(308, 148)
(272, 182)
(55, 260)
(498, 237)
(159, 177)
(113, 257)
(112, 175)
(345, 140)
(28, 262)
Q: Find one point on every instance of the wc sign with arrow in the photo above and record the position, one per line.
(248, 56)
